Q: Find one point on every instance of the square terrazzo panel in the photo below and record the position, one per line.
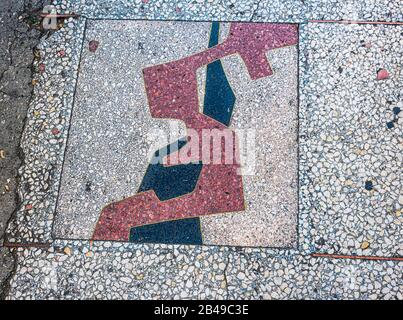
(137, 81)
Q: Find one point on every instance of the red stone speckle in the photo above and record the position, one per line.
(382, 74)
(55, 131)
(93, 45)
(42, 68)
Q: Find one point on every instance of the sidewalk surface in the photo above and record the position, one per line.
(312, 89)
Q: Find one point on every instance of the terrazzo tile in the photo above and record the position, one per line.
(350, 156)
(219, 187)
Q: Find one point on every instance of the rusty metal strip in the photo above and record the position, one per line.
(27, 245)
(58, 15)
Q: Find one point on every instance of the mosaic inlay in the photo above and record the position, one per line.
(234, 87)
